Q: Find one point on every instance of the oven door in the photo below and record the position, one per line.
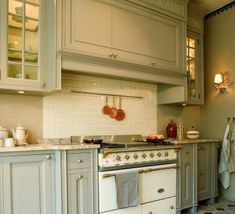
(155, 183)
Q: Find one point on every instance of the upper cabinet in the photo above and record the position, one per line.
(195, 65)
(28, 45)
(130, 34)
(192, 91)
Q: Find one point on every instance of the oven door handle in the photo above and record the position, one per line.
(143, 171)
(158, 169)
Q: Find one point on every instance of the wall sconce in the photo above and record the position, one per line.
(222, 81)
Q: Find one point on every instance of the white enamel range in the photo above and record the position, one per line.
(155, 164)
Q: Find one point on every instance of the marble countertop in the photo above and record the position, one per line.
(187, 141)
(49, 144)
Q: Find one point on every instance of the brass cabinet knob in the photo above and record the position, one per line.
(48, 157)
(153, 63)
(79, 161)
(43, 84)
(80, 177)
(115, 55)
(172, 207)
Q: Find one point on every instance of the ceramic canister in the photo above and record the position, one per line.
(3, 132)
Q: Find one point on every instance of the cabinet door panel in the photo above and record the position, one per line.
(79, 193)
(130, 36)
(187, 176)
(165, 43)
(204, 171)
(87, 27)
(28, 185)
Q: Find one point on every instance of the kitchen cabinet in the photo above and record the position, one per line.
(206, 171)
(197, 177)
(28, 184)
(81, 181)
(28, 45)
(79, 192)
(166, 43)
(187, 177)
(124, 36)
(192, 91)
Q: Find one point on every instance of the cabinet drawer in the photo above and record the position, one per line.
(76, 160)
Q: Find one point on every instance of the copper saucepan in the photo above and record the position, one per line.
(121, 114)
(113, 111)
(106, 109)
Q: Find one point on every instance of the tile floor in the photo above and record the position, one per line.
(220, 207)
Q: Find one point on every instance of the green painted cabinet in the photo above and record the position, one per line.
(197, 175)
(206, 171)
(188, 176)
(79, 192)
(81, 185)
(28, 184)
(131, 35)
(28, 45)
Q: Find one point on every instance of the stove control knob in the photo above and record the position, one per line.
(144, 155)
(151, 155)
(127, 157)
(118, 158)
(135, 156)
(159, 154)
(166, 154)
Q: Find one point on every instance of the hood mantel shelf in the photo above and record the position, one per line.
(117, 69)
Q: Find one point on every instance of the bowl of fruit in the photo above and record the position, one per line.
(154, 138)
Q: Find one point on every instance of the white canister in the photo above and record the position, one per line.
(3, 132)
(9, 142)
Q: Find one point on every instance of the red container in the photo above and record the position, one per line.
(171, 130)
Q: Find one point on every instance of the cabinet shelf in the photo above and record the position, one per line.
(15, 21)
(16, 55)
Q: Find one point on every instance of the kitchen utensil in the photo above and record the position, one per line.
(3, 132)
(93, 141)
(106, 109)
(171, 130)
(113, 111)
(192, 134)
(9, 142)
(20, 134)
(120, 113)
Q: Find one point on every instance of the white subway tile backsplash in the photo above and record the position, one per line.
(66, 113)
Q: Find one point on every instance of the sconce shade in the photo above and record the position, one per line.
(218, 79)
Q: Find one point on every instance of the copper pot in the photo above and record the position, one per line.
(113, 111)
(106, 109)
(120, 113)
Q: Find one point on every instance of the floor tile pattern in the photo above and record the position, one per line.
(221, 207)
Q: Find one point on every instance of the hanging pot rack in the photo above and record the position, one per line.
(106, 94)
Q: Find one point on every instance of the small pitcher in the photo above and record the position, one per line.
(20, 134)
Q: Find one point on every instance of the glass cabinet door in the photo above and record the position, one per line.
(193, 67)
(23, 39)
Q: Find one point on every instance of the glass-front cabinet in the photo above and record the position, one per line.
(194, 71)
(28, 48)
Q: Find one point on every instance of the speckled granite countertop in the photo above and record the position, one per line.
(49, 144)
(187, 141)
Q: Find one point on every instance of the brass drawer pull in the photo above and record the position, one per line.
(79, 161)
(161, 190)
